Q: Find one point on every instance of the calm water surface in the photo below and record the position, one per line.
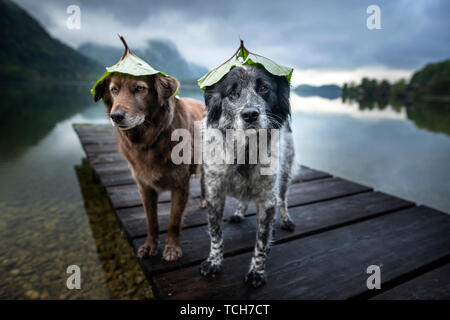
(44, 226)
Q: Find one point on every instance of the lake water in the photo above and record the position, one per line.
(44, 226)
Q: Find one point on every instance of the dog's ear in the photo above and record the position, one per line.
(100, 89)
(213, 103)
(284, 105)
(165, 87)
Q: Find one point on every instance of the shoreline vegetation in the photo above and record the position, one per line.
(425, 98)
(429, 84)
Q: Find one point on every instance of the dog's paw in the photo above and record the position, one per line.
(236, 218)
(255, 279)
(172, 253)
(202, 203)
(147, 250)
(287, 225)
(207, 268)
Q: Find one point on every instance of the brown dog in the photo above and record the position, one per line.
(145, 113)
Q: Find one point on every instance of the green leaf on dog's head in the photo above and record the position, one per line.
(240, 58)
(129, 64)
(271, 66)
(217, 74)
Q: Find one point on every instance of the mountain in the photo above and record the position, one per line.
(330, 91)
(163, 55)
(28, 52)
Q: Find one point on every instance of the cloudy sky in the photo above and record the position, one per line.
(325, 41)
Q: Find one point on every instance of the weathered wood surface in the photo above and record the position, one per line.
(301, 193)
(433, 285)
(309, 219)
(329, 265)
(342, 228)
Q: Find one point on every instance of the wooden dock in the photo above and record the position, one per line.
(342, 228)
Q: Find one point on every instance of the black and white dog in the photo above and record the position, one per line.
(246, 98)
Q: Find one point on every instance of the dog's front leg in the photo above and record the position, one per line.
(150, 201)
(202, 188)
(172, 250)
(213, 264)
(255, 275)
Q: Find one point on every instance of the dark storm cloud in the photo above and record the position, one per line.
(131, 12)
(304, 34)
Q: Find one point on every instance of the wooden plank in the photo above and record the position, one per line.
(96, 139)
(107, 157)
(128, 195)
(90, 129)
(101, 147)
(117, 179)
(133, 219)
(433, 285)
(113, 173)
(328, 265)
(109, 168)
(318, 190)
(120, 174)
(240, 237)
(84, 131)
(134, 223)
(308, 174)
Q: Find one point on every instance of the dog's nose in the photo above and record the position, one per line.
(250, 114)
(118, 116)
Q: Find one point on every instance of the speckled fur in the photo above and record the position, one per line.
(241, 88)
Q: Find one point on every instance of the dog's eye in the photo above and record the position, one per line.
(140, 88)
(114, 90)
(233, 94)
(263, 89)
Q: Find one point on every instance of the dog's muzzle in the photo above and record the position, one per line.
(123, 122)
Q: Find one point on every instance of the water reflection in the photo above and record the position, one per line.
(385, 148)
(431, 115)
(43, 225)
(121, 271)
(30, 112)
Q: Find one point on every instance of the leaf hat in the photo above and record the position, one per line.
(129, 64)
(247, 58)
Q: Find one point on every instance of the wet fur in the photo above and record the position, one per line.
(243, 87)
(147, 148)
